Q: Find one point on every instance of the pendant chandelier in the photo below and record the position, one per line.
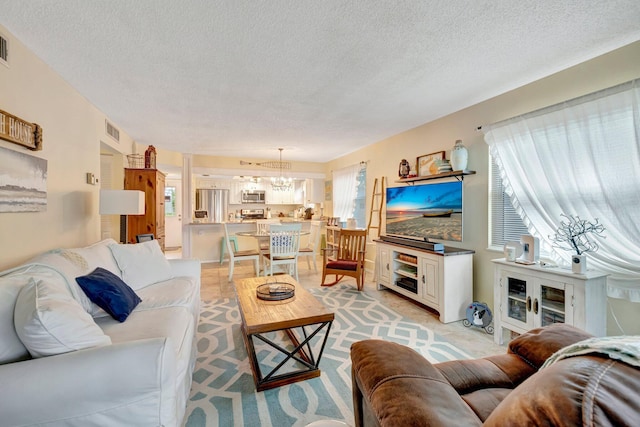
(281, 183)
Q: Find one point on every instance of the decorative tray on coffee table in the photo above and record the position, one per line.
(275, 291)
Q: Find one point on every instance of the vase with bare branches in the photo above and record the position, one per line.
(574, 234)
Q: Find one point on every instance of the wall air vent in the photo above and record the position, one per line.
(4, 50)
(112, 131)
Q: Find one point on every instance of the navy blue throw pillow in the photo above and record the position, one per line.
(109, 292)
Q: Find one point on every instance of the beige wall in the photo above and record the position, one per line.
(72, 132)
(383, 157)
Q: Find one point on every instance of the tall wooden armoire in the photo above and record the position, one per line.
(151, 181)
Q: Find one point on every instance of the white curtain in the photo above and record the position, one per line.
(581, 157)
(345, 190)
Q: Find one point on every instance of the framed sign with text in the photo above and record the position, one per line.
(21, 132)
(427, 163)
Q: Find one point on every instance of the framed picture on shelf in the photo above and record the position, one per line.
(427, 164)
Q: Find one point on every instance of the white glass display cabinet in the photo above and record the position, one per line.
(530, 296)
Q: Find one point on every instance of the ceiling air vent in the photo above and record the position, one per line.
(4, 50)
(112, 131)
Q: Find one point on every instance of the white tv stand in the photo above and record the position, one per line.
(442, 281)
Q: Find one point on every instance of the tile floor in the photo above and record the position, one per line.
(474, 341)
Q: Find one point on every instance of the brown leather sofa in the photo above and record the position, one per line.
(395, 386)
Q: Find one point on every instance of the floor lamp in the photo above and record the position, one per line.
(123, 203)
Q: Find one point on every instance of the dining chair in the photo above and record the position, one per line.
(284, 244)
(347, 258)
(311, 250)
(262, 227)
(235, 255)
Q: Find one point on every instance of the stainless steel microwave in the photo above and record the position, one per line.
(253, 196)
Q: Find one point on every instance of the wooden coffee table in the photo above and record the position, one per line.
(301, 317)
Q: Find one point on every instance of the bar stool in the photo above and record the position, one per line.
(223, 246)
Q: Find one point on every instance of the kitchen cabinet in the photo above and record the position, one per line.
(277, 197)
(286, 197)
(152, 183)
(213, 183)
(257, 186)
(442, 281)
(299, 192)
(314, 191)
(268, 195)
(273, 197)
(235, 192)
(303, 192)
(530, 296)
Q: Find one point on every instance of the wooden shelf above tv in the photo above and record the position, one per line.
(459, 175)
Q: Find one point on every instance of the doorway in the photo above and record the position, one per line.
(173, 214)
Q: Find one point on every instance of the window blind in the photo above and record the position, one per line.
(506, 225)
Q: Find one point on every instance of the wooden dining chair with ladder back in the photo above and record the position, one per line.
(347, 258)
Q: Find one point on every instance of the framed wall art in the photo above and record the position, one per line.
(427, 163)
(328, 190)
(23, 182)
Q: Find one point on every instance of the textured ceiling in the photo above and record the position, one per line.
(241, 78)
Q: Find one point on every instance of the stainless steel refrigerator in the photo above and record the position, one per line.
(215, 202)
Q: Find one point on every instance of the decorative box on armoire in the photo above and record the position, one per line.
(151, 181)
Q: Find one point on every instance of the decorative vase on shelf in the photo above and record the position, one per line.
(579, 264)
(459, 156)
(150, 157)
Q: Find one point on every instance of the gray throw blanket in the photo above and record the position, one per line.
(623, 348)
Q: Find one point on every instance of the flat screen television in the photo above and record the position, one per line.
(427, 211)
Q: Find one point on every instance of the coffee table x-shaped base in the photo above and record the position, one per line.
(301, 353)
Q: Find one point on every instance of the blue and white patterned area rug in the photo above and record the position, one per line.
(223, 392)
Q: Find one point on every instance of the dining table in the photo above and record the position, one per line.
(263, 234)
(263, 239)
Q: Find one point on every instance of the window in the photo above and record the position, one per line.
(360, 209)
(349, 187)
(505, 223)
(579, 158)
(170, 201)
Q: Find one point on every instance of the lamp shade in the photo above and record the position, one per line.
(121, 202)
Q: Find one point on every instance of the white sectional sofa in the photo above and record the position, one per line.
(65, 361)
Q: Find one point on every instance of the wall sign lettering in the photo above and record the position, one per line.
(18, 131)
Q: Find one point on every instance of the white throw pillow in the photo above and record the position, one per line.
(50, 321)
(65, 265)
(99, 255)
(142, 264)
(11, 348)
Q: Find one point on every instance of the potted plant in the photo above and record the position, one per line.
(573, 234)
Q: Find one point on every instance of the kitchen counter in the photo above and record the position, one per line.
(242, 221)
(206, 237)
(248, 221)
